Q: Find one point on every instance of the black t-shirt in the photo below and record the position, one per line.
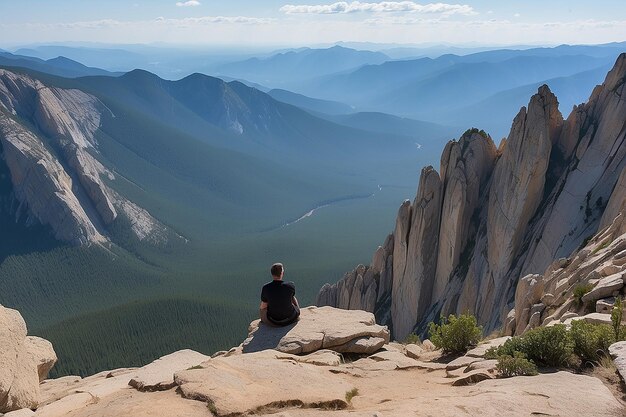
(278, 294)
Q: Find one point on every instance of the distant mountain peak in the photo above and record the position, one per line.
(50, 157)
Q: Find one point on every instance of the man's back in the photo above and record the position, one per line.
(279, 298)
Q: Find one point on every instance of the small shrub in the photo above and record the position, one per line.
(455, 335)
(412, 339)
(580, 291)
(616, 319)
(492, 352)
(545, 346)
(351, 394)
(591, 341)
(195, 367)
(516, 365)
(476, 130)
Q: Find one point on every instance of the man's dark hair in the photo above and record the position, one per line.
(277, 269)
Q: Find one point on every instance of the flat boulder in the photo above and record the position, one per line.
(414, 351)
(159, 375)
(261, 381)
(480, 350)
(596, 318)
(344, 331)
(462, 362)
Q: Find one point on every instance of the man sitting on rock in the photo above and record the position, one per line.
(279, 306)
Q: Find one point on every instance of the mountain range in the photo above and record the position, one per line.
(494, 214)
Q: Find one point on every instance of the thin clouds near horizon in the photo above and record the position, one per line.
(189, 3)
(343, 7)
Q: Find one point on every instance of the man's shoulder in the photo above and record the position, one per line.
(290, 284)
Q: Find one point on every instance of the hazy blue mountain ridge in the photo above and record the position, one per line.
(61, 66)
(290, 68)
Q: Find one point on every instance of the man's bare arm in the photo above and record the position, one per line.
(294, 301)
(263, 314)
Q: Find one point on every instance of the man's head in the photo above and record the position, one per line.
(277, 271)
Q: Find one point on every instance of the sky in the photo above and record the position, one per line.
(312, 22)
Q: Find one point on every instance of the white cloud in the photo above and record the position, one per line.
(191, 21)
(384, 6)
(188, 3)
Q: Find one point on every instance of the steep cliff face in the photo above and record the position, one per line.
(495, 215)
(47, 142)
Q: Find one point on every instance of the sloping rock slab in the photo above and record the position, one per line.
(605, 287)
(345, 331)
(461, 362)
(596, 318)
(24, 412)
(159, 375)
(618, 353)
(480, 350)
(471, 377)
(258, 381)
(558, 394)
(320, 358)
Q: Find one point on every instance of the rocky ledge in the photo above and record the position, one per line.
(395, 380)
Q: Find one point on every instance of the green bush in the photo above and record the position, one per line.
(455, 335)
(580, 291)
(591, 341)
(545, 346)
(516, 365)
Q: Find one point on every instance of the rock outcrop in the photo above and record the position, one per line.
(329, 328)
(47, 141)
(591, 278)
(493, 216)
(24, 362)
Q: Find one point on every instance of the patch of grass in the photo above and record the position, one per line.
(195, 367)
(607, 363)
(212, 408)
(605, 244)
(351, 394)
